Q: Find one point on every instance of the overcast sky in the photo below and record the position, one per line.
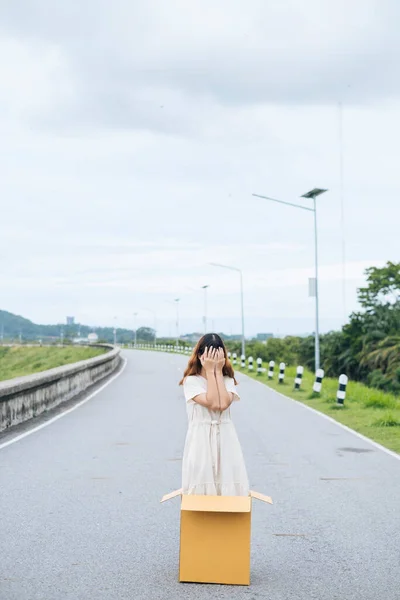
(134, 133)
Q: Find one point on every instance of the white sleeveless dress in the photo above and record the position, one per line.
(213, 462)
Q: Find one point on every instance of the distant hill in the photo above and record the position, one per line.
(14, 327)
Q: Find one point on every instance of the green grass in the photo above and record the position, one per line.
(371, 412)
(18, 361)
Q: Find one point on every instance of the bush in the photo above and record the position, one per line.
(387, 420)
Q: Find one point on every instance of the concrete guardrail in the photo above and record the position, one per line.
(26, 397)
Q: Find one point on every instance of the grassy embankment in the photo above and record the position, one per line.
(18, 361)
(369, 411)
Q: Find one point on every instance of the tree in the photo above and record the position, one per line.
(145, 334)
(383, 287)
(371, 344)
(385, 356)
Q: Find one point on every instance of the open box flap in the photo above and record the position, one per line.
(226, 500)
(171, 495)
(261, 497)
(225, 504)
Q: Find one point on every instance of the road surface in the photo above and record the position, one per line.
(80, 512)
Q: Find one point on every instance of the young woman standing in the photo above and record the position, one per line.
(213, 461)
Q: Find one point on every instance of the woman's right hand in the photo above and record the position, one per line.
(209, 359)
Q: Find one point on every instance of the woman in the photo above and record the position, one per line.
(213, 462)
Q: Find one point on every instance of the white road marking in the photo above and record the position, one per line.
(50, 421)
(324, 416)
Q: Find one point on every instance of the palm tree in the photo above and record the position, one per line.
(384, 356)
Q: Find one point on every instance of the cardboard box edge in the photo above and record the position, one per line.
(171, 495)
(261, 497)
(252, 494)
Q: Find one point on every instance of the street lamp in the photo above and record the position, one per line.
(241, 297)
(311, 195)
(115, 331)
(177, 320)
(205, 288)
(204, 317)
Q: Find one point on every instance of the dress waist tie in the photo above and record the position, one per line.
(215, 442)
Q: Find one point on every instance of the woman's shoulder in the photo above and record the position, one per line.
(193, 379)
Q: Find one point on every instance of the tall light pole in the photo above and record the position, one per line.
(311, 195)
(205, 288)
(115, 331)
(241, 298)
(177, 320)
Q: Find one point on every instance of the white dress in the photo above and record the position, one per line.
(213, 461)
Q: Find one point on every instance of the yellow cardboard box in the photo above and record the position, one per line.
(215, 537)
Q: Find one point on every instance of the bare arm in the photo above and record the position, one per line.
(211, 399)
(212, 391)
(225, 397)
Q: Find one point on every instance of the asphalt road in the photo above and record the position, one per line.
(81, 518)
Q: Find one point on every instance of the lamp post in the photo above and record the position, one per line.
(205, 288)
(177, 320)
(241, 298)
(115, 331)
(311, 195)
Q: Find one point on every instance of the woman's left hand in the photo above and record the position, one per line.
(220, 359)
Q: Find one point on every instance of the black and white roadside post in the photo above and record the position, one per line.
(259, 366)
(271, 369)
(341, 393)
(299, 376)
(281, 377)
(250, 363)
(229, 356)
(234, 356)
(319, 375)
(243, 361)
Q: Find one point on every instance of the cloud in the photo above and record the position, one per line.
(135, 134)
(143, 66)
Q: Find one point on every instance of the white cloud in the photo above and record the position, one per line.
(136, 134)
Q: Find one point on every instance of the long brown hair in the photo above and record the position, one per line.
(210, 340)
